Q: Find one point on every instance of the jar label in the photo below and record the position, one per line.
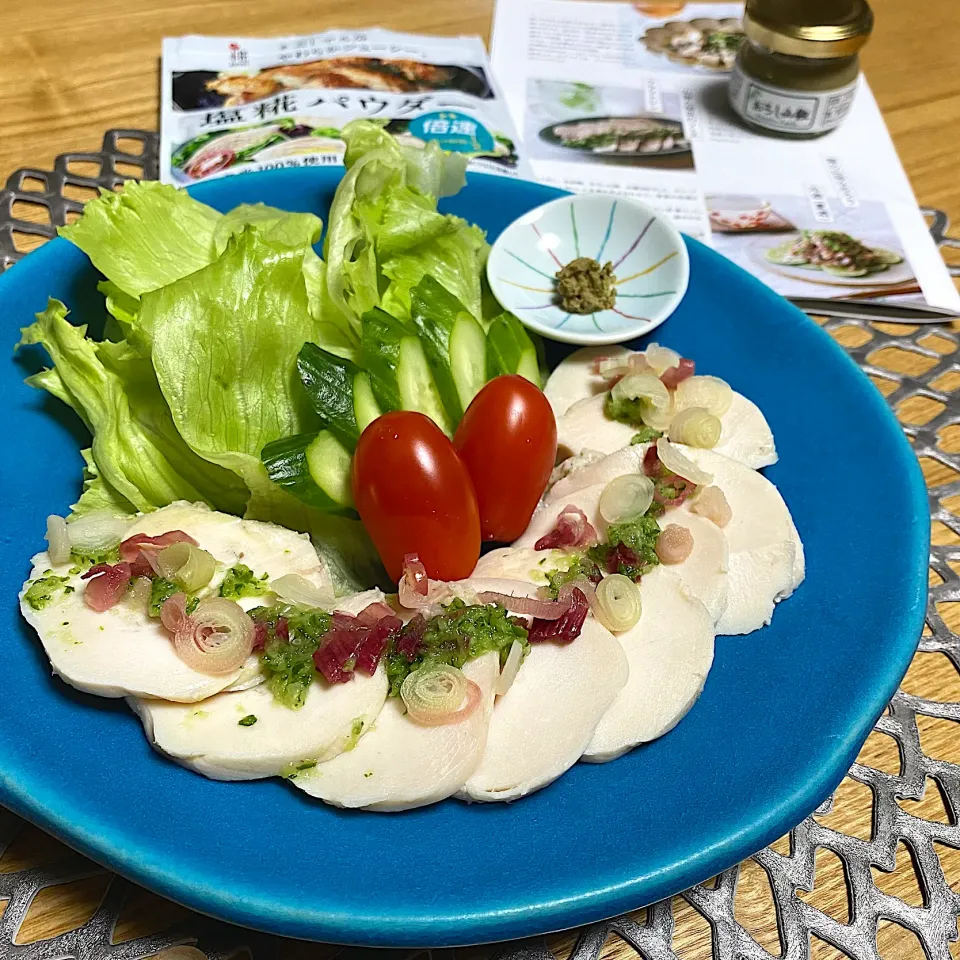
(790, 111)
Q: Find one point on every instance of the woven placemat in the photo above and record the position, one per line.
(912, 792)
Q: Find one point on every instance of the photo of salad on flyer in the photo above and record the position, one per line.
(233, 105)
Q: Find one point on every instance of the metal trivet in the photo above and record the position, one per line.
(935, 923)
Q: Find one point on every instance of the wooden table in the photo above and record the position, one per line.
(72, 68)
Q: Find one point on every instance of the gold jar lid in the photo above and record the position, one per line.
(820, 29)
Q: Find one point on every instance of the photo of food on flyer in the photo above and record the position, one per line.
(684, 37)
(803, 248)
(579, 122)
(235, 105)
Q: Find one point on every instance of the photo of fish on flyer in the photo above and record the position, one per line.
(233, 105)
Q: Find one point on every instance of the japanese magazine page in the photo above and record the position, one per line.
(229, 105)
(632, 100)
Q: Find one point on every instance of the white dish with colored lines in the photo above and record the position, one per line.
(649, 258)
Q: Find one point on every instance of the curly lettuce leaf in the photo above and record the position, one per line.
(455, 260)
(225, 345)
(385, 208)
(51, 381)
(352, 273)
(122, 310)
(145, 236)
(428, 169)
(277, 227)
(405, 220)
(332, 330)
(136, 448)
(97, 493)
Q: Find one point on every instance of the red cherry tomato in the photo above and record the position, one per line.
(414, 495)
(508, 441)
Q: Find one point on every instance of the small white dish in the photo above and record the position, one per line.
(650, 263)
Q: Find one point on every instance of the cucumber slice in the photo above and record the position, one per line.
(468, 358)
(380, 349)
(330, 465)
(418, 390)
(315, 468)
(435, 313)
(510, 350)
(529, 367)
(328, 381)
(365, 406)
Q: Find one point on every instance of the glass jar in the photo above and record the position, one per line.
(797, 70)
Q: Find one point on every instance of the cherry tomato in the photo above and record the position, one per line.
(508, 441)
(414, 495)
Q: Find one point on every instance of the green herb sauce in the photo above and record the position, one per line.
(42, 591)
(580, 566)
(239, 581)
(459, 634)
(645, 435)
(356, 731)
(624, 410)
(90, 558)
(288, 665)
(291, 770)
(161, 591)
(640, 536)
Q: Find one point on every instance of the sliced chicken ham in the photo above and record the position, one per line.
(577, 393)
(210, 738)
(704, 572)
(543, 723)
(123, 652)
(765, 556)
(670, 652)
(401, 764)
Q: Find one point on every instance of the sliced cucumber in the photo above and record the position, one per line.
(330, 465)
(418, 390)
(436, 313)
(380, 349)
(329, 380)
(468, 360)
(510, 350)
(315, 468)
(529, 367)
(365, 406)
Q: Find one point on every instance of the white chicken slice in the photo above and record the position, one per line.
(765, 560)
(210, 738)
(543, 723)
(520, 563)
(670, 652)
(744, 435)
(704, 572)
(766, 555)
(264, 547)
(575, 377)
(401, 764)
(123, 652)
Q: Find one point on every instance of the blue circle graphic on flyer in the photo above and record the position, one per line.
(453, 131)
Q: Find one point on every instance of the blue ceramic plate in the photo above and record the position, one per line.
(783, 714)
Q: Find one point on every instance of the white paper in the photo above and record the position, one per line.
(232, 104)
(562, 62)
